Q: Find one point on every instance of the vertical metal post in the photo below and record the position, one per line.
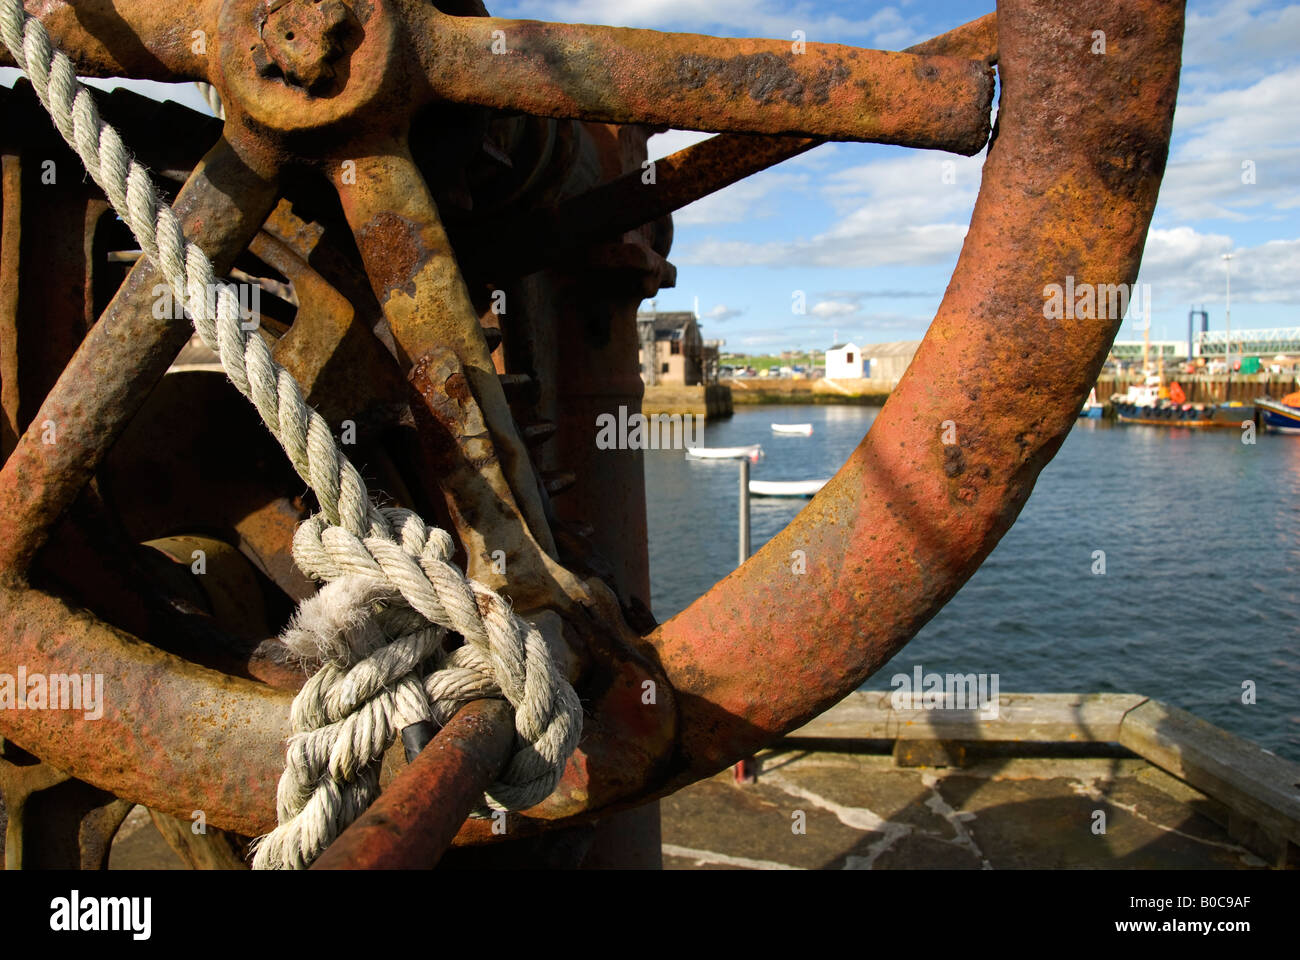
(1227, 313)
(744, 510)
(746, 771)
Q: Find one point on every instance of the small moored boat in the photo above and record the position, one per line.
(793, 429)
(785, 488)
(1282, 416)
(751, 452)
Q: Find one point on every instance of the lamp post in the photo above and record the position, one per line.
(1227, 314)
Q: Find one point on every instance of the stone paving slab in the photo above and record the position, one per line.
(859, 812)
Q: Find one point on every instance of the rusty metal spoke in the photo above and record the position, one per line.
(402, 830)
(545, 236)
(142, 39)
(976, 40)
(414, 273)
(221, 206)
(616, 75)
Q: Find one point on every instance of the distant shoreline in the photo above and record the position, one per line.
(718, 400)
(764, 390)
(755, 399)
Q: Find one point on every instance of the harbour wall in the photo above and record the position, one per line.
(782, 390)
(712, 401)
(1217, 388)
(718, 400)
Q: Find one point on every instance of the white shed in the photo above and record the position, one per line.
(844, 362)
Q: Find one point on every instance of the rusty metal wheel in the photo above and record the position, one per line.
(385, 139)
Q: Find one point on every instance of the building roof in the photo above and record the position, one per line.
(841, 346)
(669, 325)
(894, 348)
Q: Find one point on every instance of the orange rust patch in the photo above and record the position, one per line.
(400, 253)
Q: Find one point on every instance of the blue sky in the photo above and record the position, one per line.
(871, 234)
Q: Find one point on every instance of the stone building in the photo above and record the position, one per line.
(672, 350)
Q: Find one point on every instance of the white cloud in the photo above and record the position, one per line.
(732, 204)
(1231, 40)
(833, 308)
(1226, 138)
(722, 312)
(1262, 114)
(1184, 267)
(748, 199)
(906, 210)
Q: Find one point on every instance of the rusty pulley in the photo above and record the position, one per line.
(341, 95)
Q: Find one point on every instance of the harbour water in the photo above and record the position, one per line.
(1201, 535)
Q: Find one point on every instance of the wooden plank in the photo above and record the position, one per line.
(1021, 717)
(1236, 772)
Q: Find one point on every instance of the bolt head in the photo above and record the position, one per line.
(303, 40)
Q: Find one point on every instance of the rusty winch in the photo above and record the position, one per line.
(451, 220)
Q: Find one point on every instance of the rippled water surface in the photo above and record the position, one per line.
(1201, 535)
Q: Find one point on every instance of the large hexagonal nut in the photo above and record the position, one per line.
(303, 40)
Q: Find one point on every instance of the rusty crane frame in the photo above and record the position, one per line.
(387, 169)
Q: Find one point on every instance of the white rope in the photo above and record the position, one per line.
(391, 595)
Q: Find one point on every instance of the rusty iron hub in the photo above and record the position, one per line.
(391, 173)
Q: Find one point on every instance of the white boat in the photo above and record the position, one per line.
(752, 452)
(785, 488)
(793, 429)
(1142, 394)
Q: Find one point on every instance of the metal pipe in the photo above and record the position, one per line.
(140, 39)
(618, 75)
(415, 818)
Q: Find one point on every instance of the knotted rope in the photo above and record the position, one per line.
(391, 595)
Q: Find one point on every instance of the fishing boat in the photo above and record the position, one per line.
(786, 488)
(1144, 404)
(1165, 414)
(752, 452)
(1281, 416)
(793, 429)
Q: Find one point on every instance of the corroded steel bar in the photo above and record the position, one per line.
(142, 39)
(221, 206)
(547, 236)
(417, 280)
(1068, 190)
(626, 202)
(618, 75)
(414, 820)
(977, 40)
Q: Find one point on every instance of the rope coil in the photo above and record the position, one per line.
(391, 596)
